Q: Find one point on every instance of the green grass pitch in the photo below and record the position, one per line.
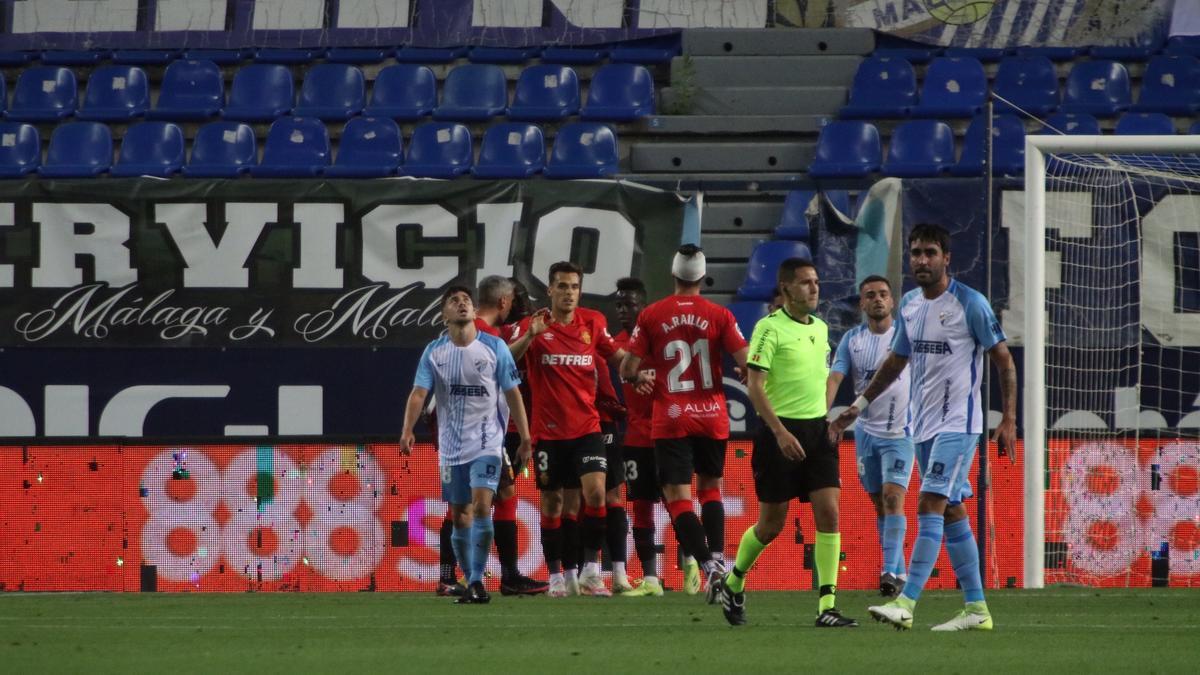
(1061, 630)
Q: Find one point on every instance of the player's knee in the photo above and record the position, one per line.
(931, 503)
(826, 519)
(552, 504)
(768, 529)
(506, 492)
(893, 501)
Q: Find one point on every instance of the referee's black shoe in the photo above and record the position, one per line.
(476, 595)
(733, 605)
(832, 618)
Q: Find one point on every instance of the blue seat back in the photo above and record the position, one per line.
(117, 91)
(191, 84)
(1072, 124)
(583, 150)
(793, 222)
(923, 142)
(332, 86)
(370, 141)
(954, 82)
(46, 88)
(620, 91)
(515, 145)
(1008, 146)
(301, 141)
(886, 82)
(1028, 82)
(444, 144)
(1097, 87)
(20, 148)
(405, 86)
(266, 88)
(747, 313)
(81, 144)
(224, 144)
(546, 91)
(152, 144)
(762, 268)
(849, 142)
(1171, 83)
(473, 91)
(1145, 124)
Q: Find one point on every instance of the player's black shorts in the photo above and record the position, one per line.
(641, 477)
(779, 479)
(615, 473)
(559, 464)
(679, 458)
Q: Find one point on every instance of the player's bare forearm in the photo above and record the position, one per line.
(1007, 370)
(756, 380)
(891, 368)
(739, 357)
(521, 345)
(832, 384)
(617, 359)
(629, 366)
(412, 410)
(516, 406)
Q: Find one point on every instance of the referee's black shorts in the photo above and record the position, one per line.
(779, 479)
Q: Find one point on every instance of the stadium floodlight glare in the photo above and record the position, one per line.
(1104, 175)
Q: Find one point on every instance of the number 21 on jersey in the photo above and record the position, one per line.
(685, 353)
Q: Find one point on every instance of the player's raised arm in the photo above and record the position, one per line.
(1005, 434)
(524, 333)
(888, 371)
(412, 410)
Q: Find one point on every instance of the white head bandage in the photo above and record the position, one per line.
(689, 269)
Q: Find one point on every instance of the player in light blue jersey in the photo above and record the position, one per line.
(943, 331)
(882, 441)
(474, 382)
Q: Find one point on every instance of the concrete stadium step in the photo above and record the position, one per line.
(726, 276)
(741, 125)
(750, 218)
(725, 245)
(755, 100)
(777, 41)
(748, 182)
(758, 71)
(721, 157)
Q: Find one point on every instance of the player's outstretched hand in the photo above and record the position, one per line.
(789, 446)
(645, 383)
(1005, 437)
(838, 426)
(524, 452)
(537, 321)
(740, 373)
(406, 443)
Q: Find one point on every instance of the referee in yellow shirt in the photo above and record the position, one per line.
(793, 457)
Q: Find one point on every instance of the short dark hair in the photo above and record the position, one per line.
(631, 285)
(492, 288)
(788, 268)
(872, 279)
(564, 267)
(688, 250)
(932, 233)
(450, 292)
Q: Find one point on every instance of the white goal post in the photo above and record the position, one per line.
(1105, 150)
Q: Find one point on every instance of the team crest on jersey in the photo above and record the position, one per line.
(586, 336)
(942, 317)
(481, 365)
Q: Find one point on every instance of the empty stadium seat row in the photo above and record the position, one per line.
(647, 50)
(957, 87)
(194, 90)
(299, 147)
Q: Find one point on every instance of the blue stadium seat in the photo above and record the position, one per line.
(847, 148)
(150, 149)
(515, 55)
(1029, 83)
(288, 56)
(1183, 44)
(74, 57)
(222, 150)
(1052, 53)
(221, 57)
(1139, 49)
(78, 150)
(657, 49)
(1194, 129)
(747, 313)
(16, 58)
(357, 55)
(916, 55)
(190, 91)
(619, 92)
(883, 87)
(763, 267)
(44, 94)
(545, 92)
(296, 147)
(429, 54)
(331, 92)
(1099, 88)
(145, 57)
(793, 222)
(1145, 124)
(260, 93)
(583, 150)
(575, 56)
(439, 150)
(473, 92)
(952, 88)
(982, 54)
(403, 92)
(920, 148)
(20, 149)
(511, 150)
(1071, 125)
(1170, 84)
(1008, 147)
(369, 147)
(115, 93)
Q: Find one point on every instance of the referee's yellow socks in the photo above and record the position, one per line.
(828, 553)
(748, 551)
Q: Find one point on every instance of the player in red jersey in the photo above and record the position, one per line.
(685, 336)
(562, 349)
